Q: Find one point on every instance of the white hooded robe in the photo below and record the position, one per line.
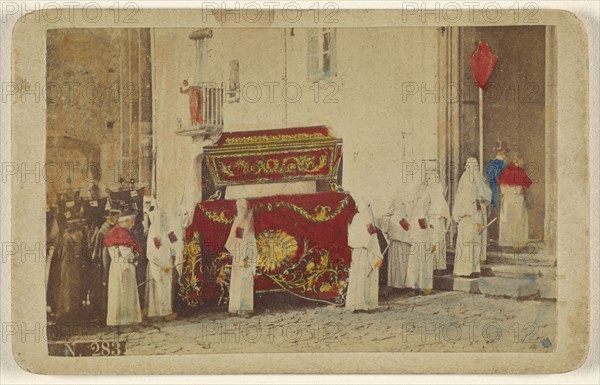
(363, 277)
(439, 220)
(160, 275)
(514, 222)
(470, 242)
(123, 306)
(419, 273)
(245, 255)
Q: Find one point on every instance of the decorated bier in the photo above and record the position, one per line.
(300, 223)
(267, 156)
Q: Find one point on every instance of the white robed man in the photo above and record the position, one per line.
(439, 220)
(159, 279)
(472, 197)
(410, 261)
(178, 220)
(419, 272)
(363, 277)
(514, 222)
(394, 226)
(241, 244)
(123, 306)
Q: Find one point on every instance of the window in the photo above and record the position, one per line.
(233, 88)
(321, 53)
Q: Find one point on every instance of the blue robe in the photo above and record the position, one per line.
(493, 170)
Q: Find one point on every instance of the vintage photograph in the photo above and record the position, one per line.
(330, 189)
(324, 191)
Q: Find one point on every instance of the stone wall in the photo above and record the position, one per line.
(99, 106)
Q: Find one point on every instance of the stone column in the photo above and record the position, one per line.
(200, 37)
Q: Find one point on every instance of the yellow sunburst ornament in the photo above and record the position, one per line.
(275, 247)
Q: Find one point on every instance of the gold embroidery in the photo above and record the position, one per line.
(191, 254)
(275, 248)
(321, 213)
(273, 138)
(290, 165)
(310, 277)
(218, 270)
(222, 162)
(216, 217)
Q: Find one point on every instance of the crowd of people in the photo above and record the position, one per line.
(114, 272)
(417, 222)
(121, 270)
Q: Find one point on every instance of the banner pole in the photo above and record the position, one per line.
(481, 130)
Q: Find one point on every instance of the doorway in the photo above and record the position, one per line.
(517, 109)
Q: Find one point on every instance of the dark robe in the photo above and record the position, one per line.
(99, 268)
(68, 288)
(142, 263)
(383, 245)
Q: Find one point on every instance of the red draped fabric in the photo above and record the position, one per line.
(195, 94)
(205, 274)
(514, 175)
(120, 236)
(302, 243)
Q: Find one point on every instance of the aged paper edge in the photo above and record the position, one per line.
(28, 144)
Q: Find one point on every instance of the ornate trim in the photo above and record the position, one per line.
(293, 164)
(331, 162)
(321, 213)
(215, 216)
(304, 275)
(189, 288)
(275, 248)
(273, 138)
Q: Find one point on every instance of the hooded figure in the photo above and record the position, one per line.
(241, 244)
(363, 278)
(439, 221)
(406, 235)
(178, 222)
(514, 223)
(159, 280)
(419, 272)
(472, 196)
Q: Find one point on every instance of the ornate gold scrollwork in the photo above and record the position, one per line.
(275, 249)
(320, 214)
(215, 216)
(289, 165)
(273, 138)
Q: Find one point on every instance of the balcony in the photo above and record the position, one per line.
(206, 112)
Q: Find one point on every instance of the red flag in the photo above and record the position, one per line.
(482, 62)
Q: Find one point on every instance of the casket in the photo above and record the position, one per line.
(267, 156)
(302, 238)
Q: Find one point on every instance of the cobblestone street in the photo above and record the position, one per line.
(446, 321)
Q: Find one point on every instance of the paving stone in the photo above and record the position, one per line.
(519, 288)
(451, 283)
(408, 324)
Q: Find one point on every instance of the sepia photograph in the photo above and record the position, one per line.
(243, 182)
